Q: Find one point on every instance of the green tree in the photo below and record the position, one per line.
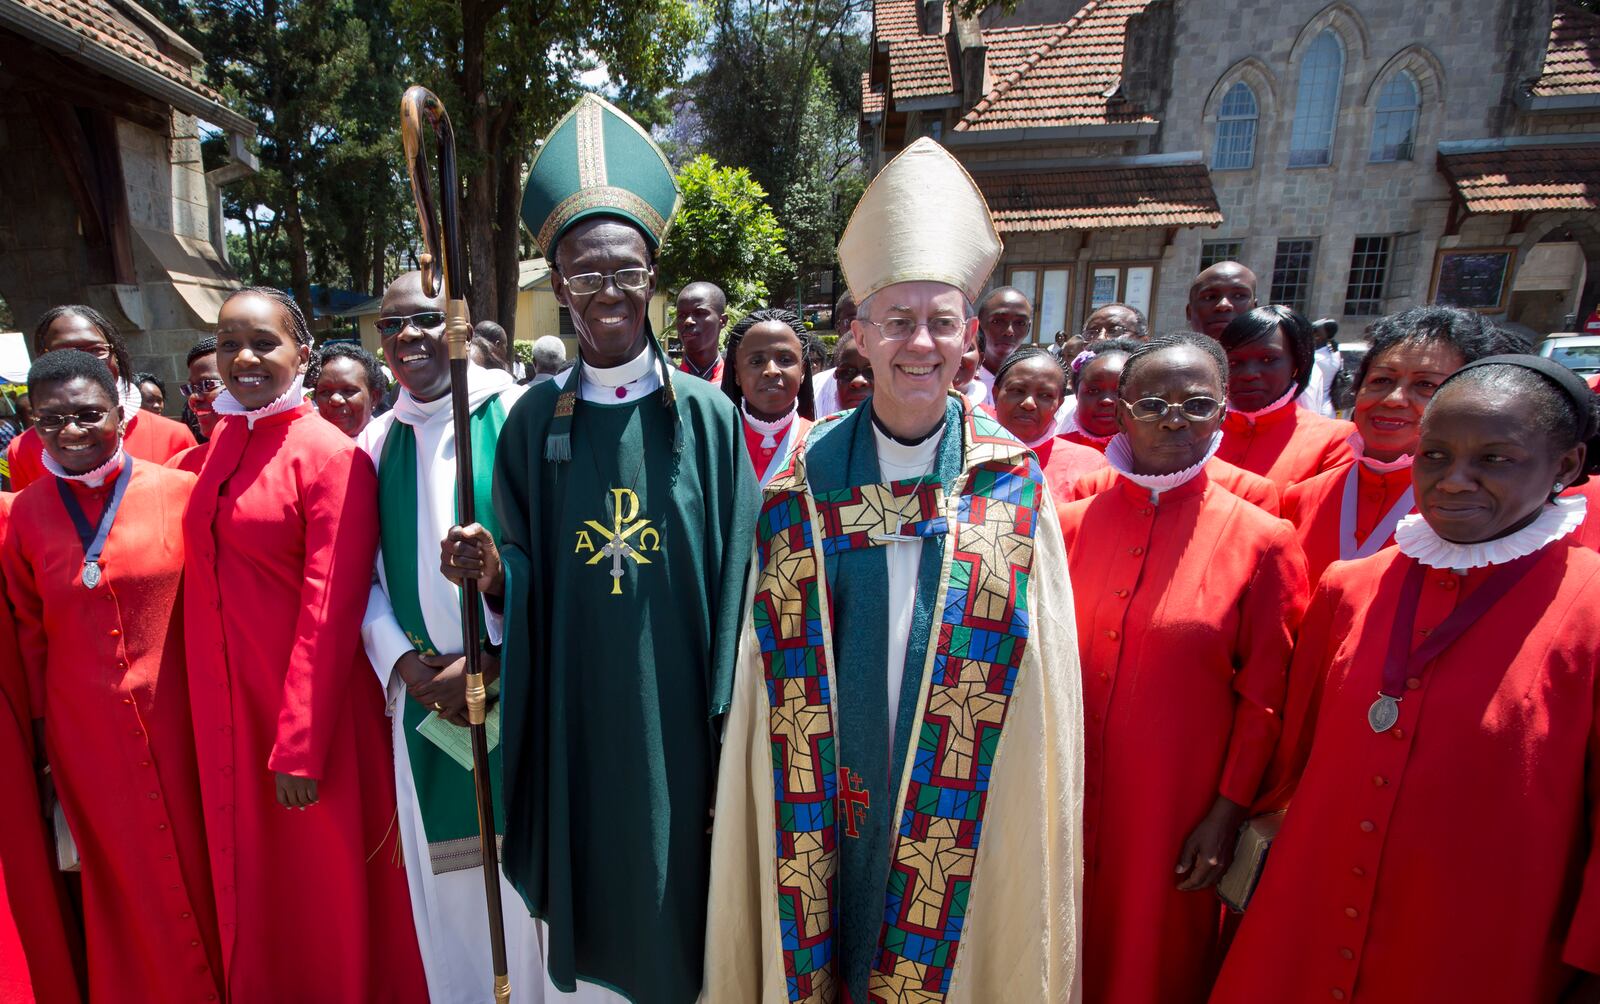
(725, 233)
(506, 70)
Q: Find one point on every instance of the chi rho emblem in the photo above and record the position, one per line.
(627, 538)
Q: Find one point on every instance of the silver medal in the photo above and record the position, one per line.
(91, 574)
(1385, 711)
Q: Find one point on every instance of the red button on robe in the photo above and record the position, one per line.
(35, 961)
(1186, 612)
(1253, 488)
(1286, 446)
(1065, 462)
(281, 534)
(1316, 506)
(148, 436)
(1454, 857)
(106, 673)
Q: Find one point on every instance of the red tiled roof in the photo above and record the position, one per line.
(1168, 195)
(919, 67)
(895, 19)
(1572, 59)
(97, 22)
(1065, 79)
(871, 100)
(1525, 180)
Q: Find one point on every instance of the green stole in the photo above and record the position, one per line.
(445, 791)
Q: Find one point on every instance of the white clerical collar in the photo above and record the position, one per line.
(1120, 456)
(1417, 540)
(770, 431)
(92, 479)
(294, 397)
(129, 400)
(1286, 400)
(1359, 445)
(482, 384)
(633, 379)
(906, 461)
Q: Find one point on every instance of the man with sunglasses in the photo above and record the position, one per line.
(201, 389)
(625, 501)
(412, 635)
(906, 717)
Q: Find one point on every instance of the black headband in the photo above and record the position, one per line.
(1570, 383)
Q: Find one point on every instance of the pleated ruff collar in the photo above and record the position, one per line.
(770, 431)
(92, 479)
(1417, 540)
(1287, 400)
(294, 397)
(1120, 456)
(1359, 445)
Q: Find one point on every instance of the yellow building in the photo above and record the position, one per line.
(538, 313)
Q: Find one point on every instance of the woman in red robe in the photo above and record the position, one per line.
(1270, 361)
(35, 958)
(92, 572)
(295, 766)
(146, 435)
(769, 377)
(1028, 391)
(1187, 601)
(1350, 511)
(1441, 759)
(1094, 416)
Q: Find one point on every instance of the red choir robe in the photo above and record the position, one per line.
(190, 460)
(281, 535)
(1588, 534)
(1081, 438)
(35, 957)
(1455, 857)
(1187, 610)
(1065, 463)
(762, 457)
(148, 436)
(105, 669)
(1316, 506)
(1287, 446)
(714, 377)
(1253, 488)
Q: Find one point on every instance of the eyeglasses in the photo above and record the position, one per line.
(943, 327)
(210, 385)
(84, 419)
(388, 327)
(589, 283)
(1154, 409)
(1106, 331)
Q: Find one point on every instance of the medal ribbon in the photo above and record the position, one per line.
(1402, 662)
(1349, 550)
(94, 540)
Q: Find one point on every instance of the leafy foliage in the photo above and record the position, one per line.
(725, 233)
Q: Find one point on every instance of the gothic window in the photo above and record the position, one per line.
(1316, 108)
(1394, 129)
(1236, 130)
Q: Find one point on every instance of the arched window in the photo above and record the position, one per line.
(1236, 130)
(1316, 107)
(1394, 129)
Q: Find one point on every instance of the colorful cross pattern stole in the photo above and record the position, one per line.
(990, 515)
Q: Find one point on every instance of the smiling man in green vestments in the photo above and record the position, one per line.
(625, 505)
(899, 809)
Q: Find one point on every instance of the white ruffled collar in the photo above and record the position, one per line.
(129, 400)
(1417, 540)
(91, 479)
(1048, 435)
(1286, 400)
(770, 431)
(227, 404)
(1359, 445)
(1120, 456)
(482, 384)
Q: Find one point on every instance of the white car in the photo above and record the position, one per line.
(1579, 353)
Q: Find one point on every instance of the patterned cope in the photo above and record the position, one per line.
(982, 624)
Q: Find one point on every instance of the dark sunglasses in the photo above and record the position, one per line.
(84, 419)
(388, 327)
(210, 385)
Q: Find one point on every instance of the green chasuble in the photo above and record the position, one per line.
(935, 857)
(626, 567)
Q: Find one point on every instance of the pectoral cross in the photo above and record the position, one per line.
(853, 798)
(616, 549)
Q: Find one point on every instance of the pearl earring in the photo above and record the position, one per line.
(1558, 488)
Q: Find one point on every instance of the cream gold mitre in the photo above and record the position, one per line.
(921, 219)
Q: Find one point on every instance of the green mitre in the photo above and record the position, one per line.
(598, 162)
